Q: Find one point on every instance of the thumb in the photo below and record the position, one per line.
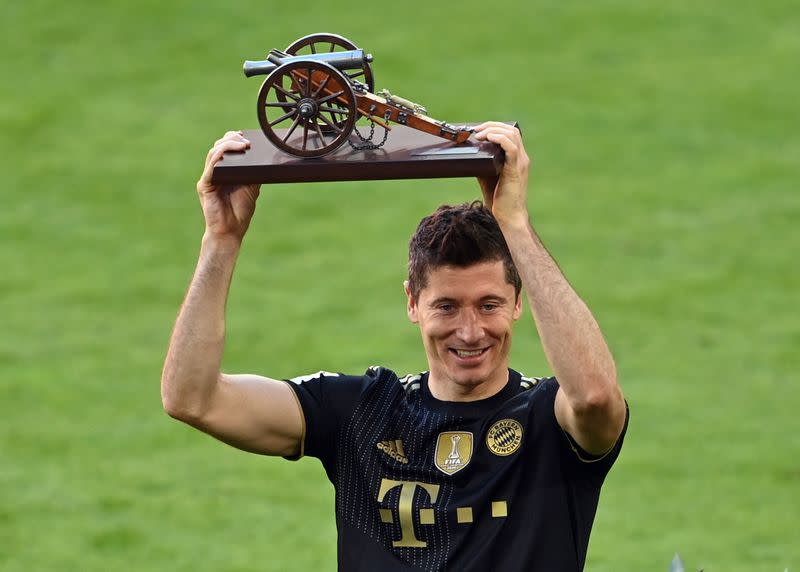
(488, 185)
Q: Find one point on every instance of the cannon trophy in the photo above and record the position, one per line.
(316, 90)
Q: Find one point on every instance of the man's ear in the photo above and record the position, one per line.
(411, 308)
(518, 307)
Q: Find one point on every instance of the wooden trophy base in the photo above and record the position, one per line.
(407, 154)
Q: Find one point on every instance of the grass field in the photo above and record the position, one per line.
(665, 182)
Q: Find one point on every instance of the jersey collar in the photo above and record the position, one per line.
(476, 408)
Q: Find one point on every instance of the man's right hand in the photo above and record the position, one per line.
(248, 411)
(227, 209)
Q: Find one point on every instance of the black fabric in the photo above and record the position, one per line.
(549, 494)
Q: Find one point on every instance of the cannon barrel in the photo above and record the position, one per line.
(349, 60)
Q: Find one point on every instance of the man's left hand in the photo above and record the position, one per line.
(506, 195)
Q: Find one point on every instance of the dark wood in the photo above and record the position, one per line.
(407, 154)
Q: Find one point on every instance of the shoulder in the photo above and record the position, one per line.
(374, 376)
(320, 375)
(373, 373)
(527, 383)
(535, 387)
(411, 382)
(537, 395)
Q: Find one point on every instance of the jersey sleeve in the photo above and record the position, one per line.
(326, 402)
(577, 460)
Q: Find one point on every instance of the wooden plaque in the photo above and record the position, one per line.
(407, 154)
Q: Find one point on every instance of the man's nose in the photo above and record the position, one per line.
(470, 329)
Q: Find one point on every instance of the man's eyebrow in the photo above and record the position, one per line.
(487, 298)
(441, 300)
(495, 297)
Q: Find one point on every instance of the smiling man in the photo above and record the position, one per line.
(468, 466)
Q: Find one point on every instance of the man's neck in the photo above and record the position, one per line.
(445, 389)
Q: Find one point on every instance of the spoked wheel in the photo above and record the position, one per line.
(324, 43)
(302, 97)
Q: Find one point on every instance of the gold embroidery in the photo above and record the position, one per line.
(464, 514)
(453, 451)
(499, 509)
(394, 449)
(408, 537)
(504, 437)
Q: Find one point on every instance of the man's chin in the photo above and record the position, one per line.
(468, 377)
(484, 372)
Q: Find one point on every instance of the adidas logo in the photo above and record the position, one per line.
(394, 449)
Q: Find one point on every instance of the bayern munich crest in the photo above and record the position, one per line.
(504, 437)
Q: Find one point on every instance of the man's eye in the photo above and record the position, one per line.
(446, 307)
(490, 307)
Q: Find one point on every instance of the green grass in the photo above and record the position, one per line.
(665, 183)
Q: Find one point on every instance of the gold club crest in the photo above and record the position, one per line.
(453, 451)
(504, 437)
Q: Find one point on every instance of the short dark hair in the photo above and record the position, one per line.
(461, 236)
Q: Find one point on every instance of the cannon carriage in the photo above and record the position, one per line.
(317, 89)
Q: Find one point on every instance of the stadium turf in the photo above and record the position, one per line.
(665, 183)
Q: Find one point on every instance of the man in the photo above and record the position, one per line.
(469, 466)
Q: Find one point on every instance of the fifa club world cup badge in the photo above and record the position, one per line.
(504, 437)
(453, 451)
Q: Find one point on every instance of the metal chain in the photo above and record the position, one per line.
(366, 142)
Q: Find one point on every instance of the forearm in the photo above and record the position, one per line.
(570, 336)
(589, 403)
(192, 366)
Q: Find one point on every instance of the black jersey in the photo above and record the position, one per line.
(493, 484)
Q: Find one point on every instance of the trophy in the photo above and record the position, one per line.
(317, 94)
(314, 93)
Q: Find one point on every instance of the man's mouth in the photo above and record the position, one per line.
(466, 354)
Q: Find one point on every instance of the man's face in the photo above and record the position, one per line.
(465, 316)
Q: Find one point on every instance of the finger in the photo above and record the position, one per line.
(228, 145)
(493, 134)
(512, 138)
(517, 163)
(494, 125)
(214, 156)
(204, 184)
(509, 146)
(507, 130)
(487, 124)
(231, 135)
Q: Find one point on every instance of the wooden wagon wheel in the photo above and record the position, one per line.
(301, 96)
(325, 43)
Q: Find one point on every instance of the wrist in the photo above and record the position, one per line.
(221, 243)
(514, 224)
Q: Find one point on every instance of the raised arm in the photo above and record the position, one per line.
(251, 412)
(589, 404)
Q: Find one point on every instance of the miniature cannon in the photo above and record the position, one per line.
(312, 89)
